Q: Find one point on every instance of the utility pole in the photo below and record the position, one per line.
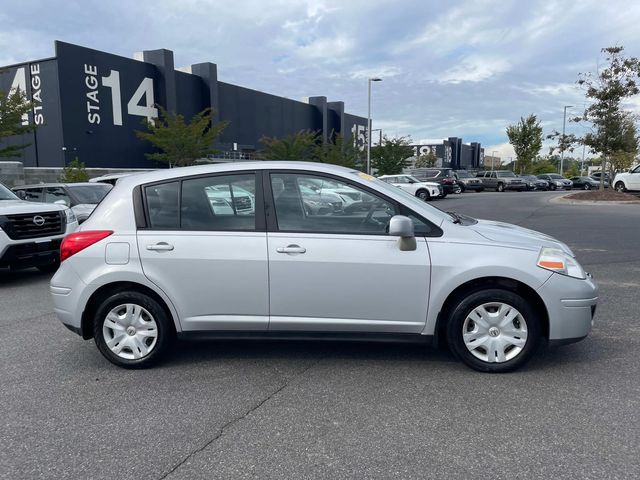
(375, 79)
(564, 122)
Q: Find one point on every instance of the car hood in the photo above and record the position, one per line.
(508, 234)
(12, 207)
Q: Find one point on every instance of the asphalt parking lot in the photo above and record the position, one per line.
(336, 410)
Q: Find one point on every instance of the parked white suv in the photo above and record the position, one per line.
(157, 260)
(31, 233)
(628, 181)
(423, 190)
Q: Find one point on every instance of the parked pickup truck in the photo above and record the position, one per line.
(502, 180)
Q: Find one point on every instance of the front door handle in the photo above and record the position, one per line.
(160, 247)
(291, 249)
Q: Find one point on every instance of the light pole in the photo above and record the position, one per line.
(564, 122)
(374, 79)
(493, 159)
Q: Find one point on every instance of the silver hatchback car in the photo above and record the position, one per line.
(242, 250)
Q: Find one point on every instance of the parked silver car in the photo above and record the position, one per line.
(155, 262)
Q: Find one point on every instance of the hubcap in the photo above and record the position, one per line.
(130, 331)
(495, 332)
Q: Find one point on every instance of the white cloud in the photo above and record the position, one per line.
(474, 69)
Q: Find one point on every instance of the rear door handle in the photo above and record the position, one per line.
(160, 247)
(291, 249)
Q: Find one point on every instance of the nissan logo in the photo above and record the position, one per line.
(38, 220)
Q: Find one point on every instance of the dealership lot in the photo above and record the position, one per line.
(328, 410)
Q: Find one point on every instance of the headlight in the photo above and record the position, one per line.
(71, 217)
(559, 262)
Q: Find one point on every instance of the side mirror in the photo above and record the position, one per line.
(61, 202)
(401, 226)
(21, 195)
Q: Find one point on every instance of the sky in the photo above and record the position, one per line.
(449, 68)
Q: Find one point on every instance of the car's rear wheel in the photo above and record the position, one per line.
(500, 187)
(493, 331)
(620, 187)
(587, 186)
(422, 195)
(132, 330)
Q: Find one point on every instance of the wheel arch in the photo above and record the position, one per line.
(112, 288)
(484, 283)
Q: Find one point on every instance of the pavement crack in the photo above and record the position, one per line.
(236, 420)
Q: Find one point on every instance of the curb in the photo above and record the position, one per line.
(567, 201)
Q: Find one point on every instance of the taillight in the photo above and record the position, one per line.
(78, 241)
(447, 180)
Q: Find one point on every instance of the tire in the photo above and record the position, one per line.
(151, 318)
(587, 186)
(423, 195)
(500, 187)
(49, 267)
(462, 188)
(480, 190)
(444, 195)
(553, 187)
(510, 352)
(620, 187)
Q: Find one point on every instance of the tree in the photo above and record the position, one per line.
(181, 143)
(14, 120)
(606, 91)
(627, 142)
(542, 165)
(426, 160)
(392, 156)
(338, 152)
(526, 138)
(298, 146)
(563, 143)
(75, 171)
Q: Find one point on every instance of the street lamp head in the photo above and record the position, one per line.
(568, 106)
(375, 79)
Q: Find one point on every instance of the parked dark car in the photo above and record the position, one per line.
(556, 181)
(587, 183)
(596, 176)
(535, 183)
(468, 181)
(443, 176)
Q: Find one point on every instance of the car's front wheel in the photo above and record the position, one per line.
(587, 186)
(493, 331)
(500, 187)
(620, 187)
(422, 195)
(132, 330)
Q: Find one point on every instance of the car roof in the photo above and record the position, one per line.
(178, 172)
(42, 185)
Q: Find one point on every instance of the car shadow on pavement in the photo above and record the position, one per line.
(186, 352)
(18, 278)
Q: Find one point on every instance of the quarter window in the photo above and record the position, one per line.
(162, 205)
(315, 204)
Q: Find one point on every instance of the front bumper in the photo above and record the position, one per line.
(517, 186)
(473, 186)
(571, 306)
(31, 254)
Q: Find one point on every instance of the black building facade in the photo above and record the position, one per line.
(89, 104)
(452, 153)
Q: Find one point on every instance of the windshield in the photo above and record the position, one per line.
(463, 174)
(6, 194)
(91, 194)
(555, 175)
(408, 199)
(506, 174)
(414, 179)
